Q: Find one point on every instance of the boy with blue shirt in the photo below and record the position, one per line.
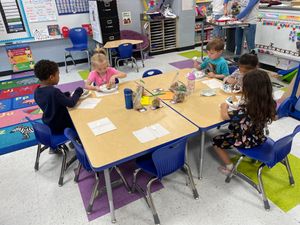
(51, 100)
(215, 65)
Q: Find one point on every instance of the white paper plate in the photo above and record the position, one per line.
(232, 105)
(199, 74)
(104, 89)
(229, 90)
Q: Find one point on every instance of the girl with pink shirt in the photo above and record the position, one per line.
(102, 73)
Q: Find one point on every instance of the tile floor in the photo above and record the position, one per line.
(31, 198)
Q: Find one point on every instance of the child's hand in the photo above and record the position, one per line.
(230, 80)
(224, 106)
(211, 75)
(78, 91)
(196, 64)
(112, 81)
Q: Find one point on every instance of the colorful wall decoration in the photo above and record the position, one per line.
(20, 57)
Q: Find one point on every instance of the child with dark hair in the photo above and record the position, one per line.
(215, 64)
(248, 121)
(247, 62)
(51, 100)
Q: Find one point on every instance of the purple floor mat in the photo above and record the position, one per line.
(120, 194)
(183, 64)
(71, 86)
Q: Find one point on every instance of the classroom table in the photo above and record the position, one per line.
(203, 111)
(114, 147)
(115, 44)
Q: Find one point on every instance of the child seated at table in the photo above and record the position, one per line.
(101, 72)
(247, 62)
(247, 122)
(51, 100)
(215, 65)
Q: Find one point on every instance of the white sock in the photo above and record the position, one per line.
(229, 166)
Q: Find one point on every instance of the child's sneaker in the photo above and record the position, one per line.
(224, 170)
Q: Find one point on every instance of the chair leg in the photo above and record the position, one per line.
(72, 59)
(118, 64)
(134, 60)
(77, 172)
(191, 181)
(288, 168)
(63, 166)
(66, 65)
(123, 179)
(40, 149)
(94, 194)
(150, 201)
(133, 187)
(261, 187)
(234, 169)
(88, 57)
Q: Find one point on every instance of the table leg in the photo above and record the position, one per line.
(109, 195)
(142, 55)
(201, 156)
(202, 39)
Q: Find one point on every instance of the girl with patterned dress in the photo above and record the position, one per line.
(247, 122)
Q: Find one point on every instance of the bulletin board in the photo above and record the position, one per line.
(285, 26)
(38, 20)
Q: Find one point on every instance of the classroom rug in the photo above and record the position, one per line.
(191, 54)
(183, 64)
(16, 103)
(84, 74)
(120, 194)
(276, 182)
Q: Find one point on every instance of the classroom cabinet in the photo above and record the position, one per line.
(106, 21)
(162, 33)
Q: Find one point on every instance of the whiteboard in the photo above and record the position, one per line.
(27, 20)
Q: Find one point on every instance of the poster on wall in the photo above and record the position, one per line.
(126, 18)
(13, 22)
(95, 23)
(20, 57)
(65, 7)
(40, 10)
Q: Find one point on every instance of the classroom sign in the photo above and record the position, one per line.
(20, 57)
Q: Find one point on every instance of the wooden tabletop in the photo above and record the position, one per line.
(115, 44)
(119, 144)
(202, 111)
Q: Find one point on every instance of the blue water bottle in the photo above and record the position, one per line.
(128, 98)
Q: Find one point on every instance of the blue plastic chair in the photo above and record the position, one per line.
(291, 105)
(269, 154)
(232, 69)
(125, 54)
(151, 72)
(56, 142)
(83, 161)
(79, 39)
(162, 162)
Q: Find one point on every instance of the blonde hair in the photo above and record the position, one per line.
(99, 57)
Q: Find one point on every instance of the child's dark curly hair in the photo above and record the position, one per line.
(44, 68)
(258, 95)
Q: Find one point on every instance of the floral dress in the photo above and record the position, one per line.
(243, 133)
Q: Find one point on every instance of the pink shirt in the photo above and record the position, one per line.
(99, 80)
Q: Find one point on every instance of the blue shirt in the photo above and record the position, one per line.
(54, 105)
(220, 64)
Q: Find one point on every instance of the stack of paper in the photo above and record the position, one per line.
(212, 83)
(101, 94)
(89, 103)
(150, 133)
(101, 126)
